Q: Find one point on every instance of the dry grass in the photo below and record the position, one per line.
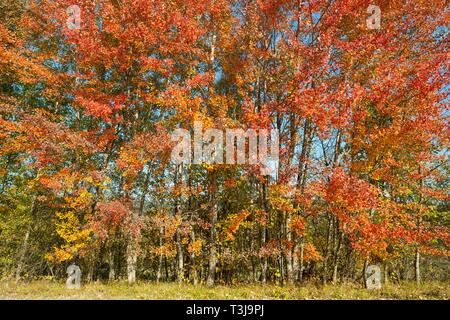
(45, 289)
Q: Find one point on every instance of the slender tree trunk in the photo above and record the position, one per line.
(264, 234)
(112, 270)
(132, 249)
(160, 258)
(90, 275)
(193, 274)
(405, 271)
(386, 273)
(337, 256)
(264, 258)
(24, 247)
(193, 261)
(23, 251)
(327, 250)
(300, 186)
(281, 263)
(302, 249)
(131, 261)
(180, 255)
(212, 248)
(418, 223)
(288, 252)
(417, 265)
(212, 260)
(295, 262)
(132, 255)
(366, 264)
(166, 268)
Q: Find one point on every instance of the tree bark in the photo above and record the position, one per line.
(327, 250)
(160, 258)
(366, 264)
(264, 205)
(337, 255)
(193, 262)
(417, 265)
(131, 261)
(180, 255)
(23, 251)
(263, 259)
(133, 242)
(24, 248)
(112, 270)
(302, 249)
(288, 251)
(212, 248)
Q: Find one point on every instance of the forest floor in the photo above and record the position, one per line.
(152, 291)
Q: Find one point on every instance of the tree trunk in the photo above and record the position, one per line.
(295, 263)
(327, 251)
(179, 245)
(263, 259)
(180, 266)
(133, 242)
(264, 233)
(288, 252)
(131, 261)
(91, 263)
(194, 275)
(212, 248)
(112, 270)
(24, 248)
(366, 264)
(336, 258)
(160, 258)
(386, 273)
(22, 253)
(417, 265)
(302, 249)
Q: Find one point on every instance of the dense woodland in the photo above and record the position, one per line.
(86, 115)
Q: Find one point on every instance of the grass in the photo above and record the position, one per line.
(44, 289)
